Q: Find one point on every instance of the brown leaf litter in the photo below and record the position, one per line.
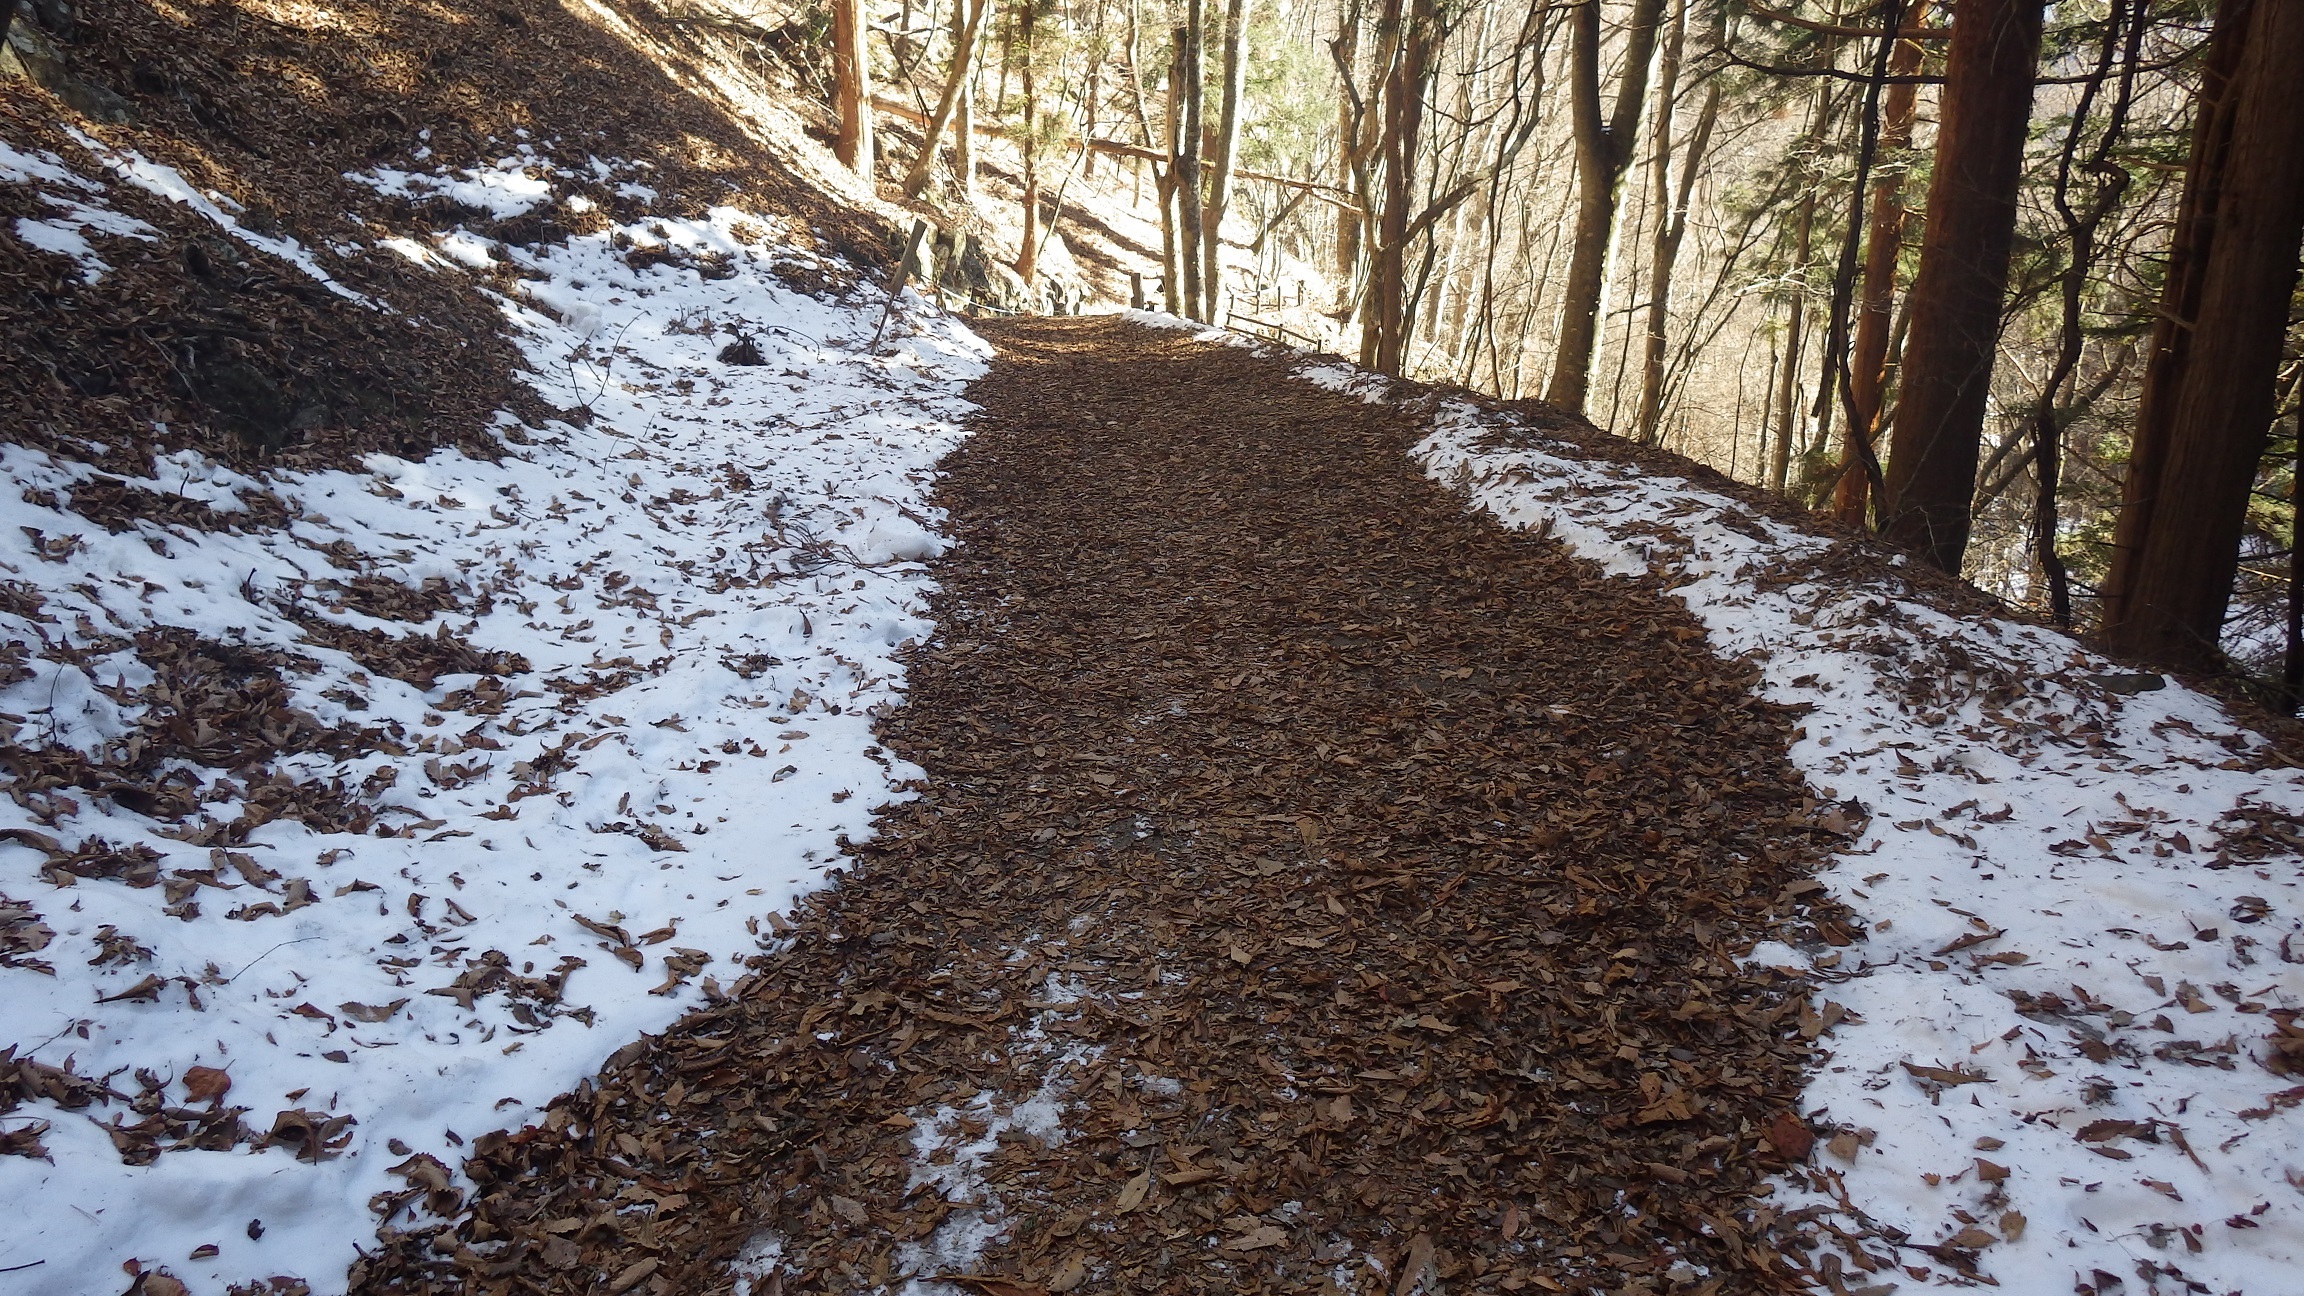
(1315, 887)
(196, 341)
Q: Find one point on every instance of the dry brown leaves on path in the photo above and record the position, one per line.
(1315, 887)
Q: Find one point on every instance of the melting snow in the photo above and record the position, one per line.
(710, 575)
(2082, 901)
(165, 181)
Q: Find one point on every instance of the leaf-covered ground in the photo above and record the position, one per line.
(1315, 886)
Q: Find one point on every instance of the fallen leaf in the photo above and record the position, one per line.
(1257, 1239)
(1132, 1192)
(206, 1084)
(1789, 1135)
(1414, 1265)
(633, 1275)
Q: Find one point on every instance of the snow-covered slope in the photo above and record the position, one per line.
(494, 766)
(2058, 1059)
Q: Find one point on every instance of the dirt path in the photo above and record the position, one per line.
(1315, 887)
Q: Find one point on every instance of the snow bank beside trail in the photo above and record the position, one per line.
(707, 569)
(2058, 1066)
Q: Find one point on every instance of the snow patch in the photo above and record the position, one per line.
(66, 233)
(2080, 885)
(166, 182)
(705, 651)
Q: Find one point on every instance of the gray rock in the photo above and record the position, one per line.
(29, 55)
(2129, 684)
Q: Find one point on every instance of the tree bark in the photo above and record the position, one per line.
(1227, 142)
(1346, 51)
(1028, 256)
(852, 87)
(955, 91)
(1868, 366)
(1384, 333)
(1670, 230)
(2123, 33)
(964, 128)
(1963, 276)
(1187, 164)
(1788, 389)
(1603, 152)
(1172, 126)
(2209, 413)
(2292, 660)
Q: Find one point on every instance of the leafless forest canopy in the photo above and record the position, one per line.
(2010, 282)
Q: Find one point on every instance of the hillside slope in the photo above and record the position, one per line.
(459, 531)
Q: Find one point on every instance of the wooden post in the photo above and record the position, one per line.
(905, 269)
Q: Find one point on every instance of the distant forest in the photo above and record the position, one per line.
(2011, 283)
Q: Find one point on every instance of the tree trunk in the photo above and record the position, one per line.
(2185, 501)
(1956, 296)
(1227, 143)
(1788, 382)
(1670, 231)
(1028, 256)
(2292, 661)
(1346, 50)
(964, 129)
(1384, 333)
(1603, 151)
(1171, 258)
(852, 87)
(1089, 95)
(1868, 366)
(1187, 162)
(955, 91)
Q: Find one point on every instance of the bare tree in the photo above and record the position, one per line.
(1672, 224)
(1795, 325)
(1028, 254)
(955, 91)
(1186, 163)
(1868, 366)
(1384, 324)
(1227, 142)
(1603, 152)
(1351, 151)
(964, 113)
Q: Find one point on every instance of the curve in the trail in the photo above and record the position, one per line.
(1314, 887)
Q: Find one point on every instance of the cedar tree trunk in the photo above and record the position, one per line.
(852, 87)
(2184, 505)
(1963, 276)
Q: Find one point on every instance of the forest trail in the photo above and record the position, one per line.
(1315, 886)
